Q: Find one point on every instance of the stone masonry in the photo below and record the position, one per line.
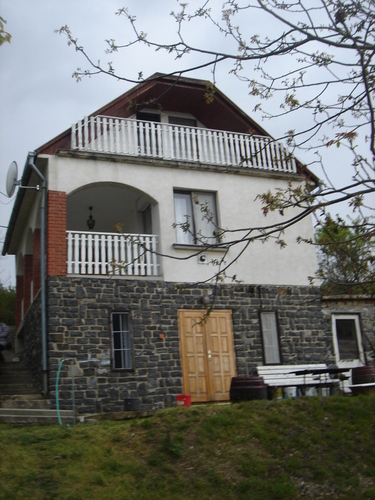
(79, 332)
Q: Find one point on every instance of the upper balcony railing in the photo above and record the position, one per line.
(103, 134)
(111, 253)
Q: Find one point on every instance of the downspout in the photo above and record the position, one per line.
(32, 155)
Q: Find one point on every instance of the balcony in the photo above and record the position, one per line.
(90, 253)
(162, 141)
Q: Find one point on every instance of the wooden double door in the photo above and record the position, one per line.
(207, 354)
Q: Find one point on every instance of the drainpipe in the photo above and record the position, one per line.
(32, 155)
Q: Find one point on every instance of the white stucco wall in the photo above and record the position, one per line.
(262, 263)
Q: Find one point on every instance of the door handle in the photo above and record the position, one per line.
(209, 355)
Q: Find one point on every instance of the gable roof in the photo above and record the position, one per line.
(172, 93)
(163, 93)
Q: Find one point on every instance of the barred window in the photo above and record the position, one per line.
(122, 349)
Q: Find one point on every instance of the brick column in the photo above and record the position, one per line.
(27, 279)
(19, 298)
(36, 260)
(56, 231)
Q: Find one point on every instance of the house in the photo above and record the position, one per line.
(127, 211)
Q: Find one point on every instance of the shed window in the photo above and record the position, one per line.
(347, 337)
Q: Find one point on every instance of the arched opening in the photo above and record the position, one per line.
(113, 205)
(112, 229)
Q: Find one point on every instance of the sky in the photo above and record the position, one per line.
(39, 99)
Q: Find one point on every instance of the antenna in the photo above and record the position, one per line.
(12, 181)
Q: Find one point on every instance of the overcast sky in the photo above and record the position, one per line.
(38, 96)
(39, 99)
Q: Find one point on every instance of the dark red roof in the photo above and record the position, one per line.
(170, 93)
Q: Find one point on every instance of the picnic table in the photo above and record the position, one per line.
(326, 372)
(302, 376)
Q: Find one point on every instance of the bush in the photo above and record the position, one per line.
(7, 305)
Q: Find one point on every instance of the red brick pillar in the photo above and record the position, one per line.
(56, 231)
(27, 279)
(36, 260)
(19, 299)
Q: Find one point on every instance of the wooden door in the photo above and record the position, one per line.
(207, 354)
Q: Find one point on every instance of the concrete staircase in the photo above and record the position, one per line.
(21, 402)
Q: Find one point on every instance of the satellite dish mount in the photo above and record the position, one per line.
(12, 180)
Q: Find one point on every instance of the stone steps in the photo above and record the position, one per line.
(38, 416)
(21, 401)
(31, 409)
(32, 401)
(15, 379)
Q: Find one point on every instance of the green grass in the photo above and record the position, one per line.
(310, 448)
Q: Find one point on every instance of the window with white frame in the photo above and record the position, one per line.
(122, 350)
(196, 217)
(347, 337)
(270, 338)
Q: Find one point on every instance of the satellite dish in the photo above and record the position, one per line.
(12, 178)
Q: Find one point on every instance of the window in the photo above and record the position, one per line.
(148, 117)
(122, 352)
(148, 140)
(270, 338)
(182, 121)
(184, 146)
(195, 216)
(347, 337)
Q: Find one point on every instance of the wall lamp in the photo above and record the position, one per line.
(90, 220)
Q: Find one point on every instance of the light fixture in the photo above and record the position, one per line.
(90, 220)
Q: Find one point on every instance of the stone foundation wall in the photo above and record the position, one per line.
(79, 332)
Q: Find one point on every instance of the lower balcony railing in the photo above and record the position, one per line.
(111, 254)
(104, 134)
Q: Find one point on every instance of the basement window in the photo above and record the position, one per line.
(122, 349)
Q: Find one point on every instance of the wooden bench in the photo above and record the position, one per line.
(299, 376)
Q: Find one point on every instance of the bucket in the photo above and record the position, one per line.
(290, 392)
(183, 400)
(278, 394)
(247, 388)
(363, 375)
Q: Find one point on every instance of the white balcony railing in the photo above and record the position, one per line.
(173, 142)
(111, 253)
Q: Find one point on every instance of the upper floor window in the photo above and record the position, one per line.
(122, 350)
(148, 116)
(270, 338)
(195, 217)
(182, 121)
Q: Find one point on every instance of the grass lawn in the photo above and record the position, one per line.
(304, 448)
